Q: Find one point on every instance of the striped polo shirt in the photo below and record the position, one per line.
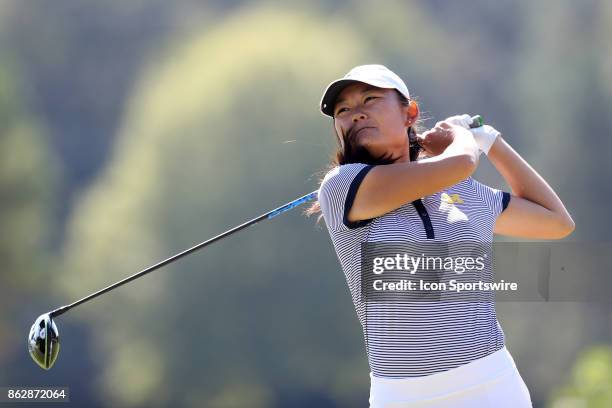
(410, 339)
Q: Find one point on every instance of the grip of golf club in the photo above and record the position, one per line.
(477, 121)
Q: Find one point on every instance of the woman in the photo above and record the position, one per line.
(388, 184)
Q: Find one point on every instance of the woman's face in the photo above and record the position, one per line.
(375, 119)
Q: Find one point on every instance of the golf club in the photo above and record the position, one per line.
(43, 339)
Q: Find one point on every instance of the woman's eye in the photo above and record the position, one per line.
(365, 100)
(340, 110)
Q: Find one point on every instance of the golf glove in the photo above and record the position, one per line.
(485, 135)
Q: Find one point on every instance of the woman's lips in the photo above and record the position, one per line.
(363, 128)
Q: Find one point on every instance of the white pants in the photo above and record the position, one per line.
(492, 381)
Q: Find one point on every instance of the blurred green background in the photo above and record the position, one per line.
(130, 131)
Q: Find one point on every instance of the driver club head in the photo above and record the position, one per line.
(43, 341)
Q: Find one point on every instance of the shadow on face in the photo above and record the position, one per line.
(373, 125)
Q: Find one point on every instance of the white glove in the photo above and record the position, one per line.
(484, 136)
(460, 120)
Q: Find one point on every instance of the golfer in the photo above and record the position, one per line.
(389, 184)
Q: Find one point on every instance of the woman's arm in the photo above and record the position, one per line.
(387, 187)
(534, 210)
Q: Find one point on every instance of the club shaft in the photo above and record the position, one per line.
(266, 216)
(476, 122)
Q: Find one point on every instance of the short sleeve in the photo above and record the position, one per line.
(496, 200)
(337, 193)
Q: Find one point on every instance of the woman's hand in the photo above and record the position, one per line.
(436, 140)
(485, 135)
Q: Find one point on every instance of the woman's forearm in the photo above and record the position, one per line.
(524, 181)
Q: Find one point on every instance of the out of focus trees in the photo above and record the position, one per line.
(79, 61)
(28, 181)
(589, 382)
(562, 96)
(175, 121)
(258, 318)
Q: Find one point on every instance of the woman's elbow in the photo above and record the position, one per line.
(571, 226)
(564, 227)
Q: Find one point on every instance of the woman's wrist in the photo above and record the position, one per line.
(485, 136)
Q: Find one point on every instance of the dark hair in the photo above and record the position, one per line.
(359, 154)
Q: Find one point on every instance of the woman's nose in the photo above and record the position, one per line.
(358, 115)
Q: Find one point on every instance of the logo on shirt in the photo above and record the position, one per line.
(451, 199)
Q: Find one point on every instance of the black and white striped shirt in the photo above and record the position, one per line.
(416, 338)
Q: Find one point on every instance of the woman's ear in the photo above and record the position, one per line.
(412, 113)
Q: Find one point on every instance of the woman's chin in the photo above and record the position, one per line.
(366, 141)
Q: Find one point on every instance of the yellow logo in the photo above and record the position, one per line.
(450, 199)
